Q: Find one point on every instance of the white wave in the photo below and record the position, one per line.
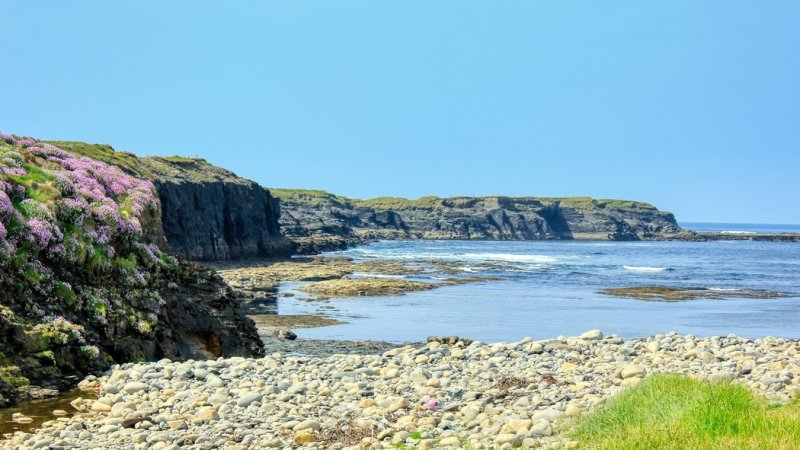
(737, 232)
(724, 289)
(644, 269)
(476, 257)
(510, 257)
(374, 275)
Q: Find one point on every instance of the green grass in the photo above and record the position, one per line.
(310, 197)
(149, 167)
(38, 184)
(127, 161)
(678, 412)
(602, 203)
(313, 197)
(387, 203)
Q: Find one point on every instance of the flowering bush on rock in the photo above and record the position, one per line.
(61, 215)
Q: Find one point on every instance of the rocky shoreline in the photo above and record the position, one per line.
(439, 395)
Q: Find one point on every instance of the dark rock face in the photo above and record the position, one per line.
(204, 319)
(220, 220)
(201, 318)
(334, 222)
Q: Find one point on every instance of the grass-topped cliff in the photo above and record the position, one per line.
(324, 220)
(152, 167)
(323, 198)
(84, 280)
(209, 213)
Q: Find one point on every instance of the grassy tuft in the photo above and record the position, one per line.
(601, 203)
(678, 412)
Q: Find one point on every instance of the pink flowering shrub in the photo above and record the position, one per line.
(61, 213)
(6, 207)
(40, 231)
(104, 202)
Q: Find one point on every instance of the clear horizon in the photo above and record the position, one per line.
(692, 107)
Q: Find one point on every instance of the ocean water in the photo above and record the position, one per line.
(550, 288)
(741, 228)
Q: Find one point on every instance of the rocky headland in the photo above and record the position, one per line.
(455, 395)
(319, 220)
(85, 280)
(207, 212)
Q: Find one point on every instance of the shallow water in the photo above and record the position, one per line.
(40, 411)
(550, 288)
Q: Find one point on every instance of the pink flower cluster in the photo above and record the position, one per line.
(41, 231)
(90, 351)
(89, 189)
(6, 211)
(8, 138)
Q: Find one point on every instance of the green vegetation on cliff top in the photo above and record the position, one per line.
(199, 170)
(151, 167)
(678, 412)
(311, 197)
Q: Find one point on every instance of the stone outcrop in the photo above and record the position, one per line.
(84, 282)
(318, 220)
(220, 220)
(208, 213)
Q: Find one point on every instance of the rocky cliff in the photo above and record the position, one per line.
(83, 281)
(208, 213)
(318, 220)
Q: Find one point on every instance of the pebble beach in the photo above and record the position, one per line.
(448, 393)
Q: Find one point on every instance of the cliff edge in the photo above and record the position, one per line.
(319, 220)
(208, 213)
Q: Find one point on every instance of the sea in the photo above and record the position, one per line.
(741, 228)
(552, 288)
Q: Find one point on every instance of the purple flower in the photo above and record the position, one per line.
(40, 231)
(105, 214)
(26, 141)
(13, 171)
(64, 185)
(6, 207)
(8, 138)
(72, 210)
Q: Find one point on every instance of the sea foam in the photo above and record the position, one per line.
(644, 269)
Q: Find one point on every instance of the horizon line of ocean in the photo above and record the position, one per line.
(759, 228)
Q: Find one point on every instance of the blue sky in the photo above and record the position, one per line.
(691, 105)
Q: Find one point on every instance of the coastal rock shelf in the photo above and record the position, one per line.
(318, 220)
(475, 396)
(681, 294)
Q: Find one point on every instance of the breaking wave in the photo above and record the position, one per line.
(644, 269)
